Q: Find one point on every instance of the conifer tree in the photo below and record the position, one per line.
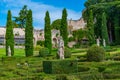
(29, 35)
(9, 34)
(90, 25)
(47, 31)
(104, 28)
(117, 29)
(63, 29)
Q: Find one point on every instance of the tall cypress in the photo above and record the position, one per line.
(104, 28)
(47, 31)
(29, 35)
(90, 25)
(63, 29)
(9, 34)
(117, 29)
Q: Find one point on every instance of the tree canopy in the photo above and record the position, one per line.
(56, 24)
(111, 9)
(21, 19)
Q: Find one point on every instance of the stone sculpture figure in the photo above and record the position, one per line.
(98, 41)
(9, 51)
(60, 48)
(104, 43)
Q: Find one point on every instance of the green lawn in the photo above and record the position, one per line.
(17, 52)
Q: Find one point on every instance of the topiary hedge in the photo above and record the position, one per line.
(67, 53)
(60, 66)
(43, 52)
(95, 53)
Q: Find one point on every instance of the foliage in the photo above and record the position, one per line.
(21, 19)
(37, 48)
(34, 71)
(47, 31)
(63, 28)
(71, 39)
(9, 34)
(41, 43)
(61, 77)
(29, 35)
(67, 53)
(56, 24)
(79, 34)
(60, 66)
(111, 8)
(90, 26)
(117, 29)
(43, 52)
(83, 69)
(95, 53)
(104, 28)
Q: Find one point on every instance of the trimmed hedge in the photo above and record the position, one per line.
(67, 53)
(95, 53)
(43, 52)
(60, 66)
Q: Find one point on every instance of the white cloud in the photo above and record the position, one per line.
(39, 10)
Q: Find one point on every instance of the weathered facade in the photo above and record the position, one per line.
(19, 36)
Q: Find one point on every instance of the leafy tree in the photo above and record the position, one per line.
(29, 35)
(90, 26)
(111, 8)
(79, 34)
(21, 19)
(56, 24)
(63, 28)
(47, 31)
(9, 34)
(104, 28)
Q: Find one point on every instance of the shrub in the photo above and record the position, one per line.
(109, 49)
(95, 53)
(101, 68)
(71, 39)
(67, 53)
(37, 48)
(41, 43)
(83, 68)
(60, 66)
(43, 52)
(61, 77)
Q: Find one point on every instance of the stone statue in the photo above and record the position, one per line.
(98, 41)
(61, 48)
(9, 51)
(104, 43)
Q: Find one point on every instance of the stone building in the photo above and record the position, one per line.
(19, 36)
(76, 24)
(19, 33)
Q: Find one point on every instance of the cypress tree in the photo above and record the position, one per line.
(63, 29)
(47, 31)
(29, 35)
(9, 34)
(117, 29)
(90, 26)
(104, 28)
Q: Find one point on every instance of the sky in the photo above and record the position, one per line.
(39, 7)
